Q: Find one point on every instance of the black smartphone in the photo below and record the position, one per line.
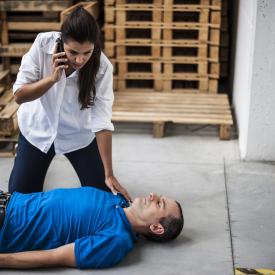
(60, 49)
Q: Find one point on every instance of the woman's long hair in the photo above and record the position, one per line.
(81, 26)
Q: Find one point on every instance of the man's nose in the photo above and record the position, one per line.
(152, 196)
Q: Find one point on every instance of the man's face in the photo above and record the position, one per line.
(152, 208)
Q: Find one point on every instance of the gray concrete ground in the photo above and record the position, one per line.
(228, 204)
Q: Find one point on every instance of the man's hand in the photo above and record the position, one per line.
(115, 187)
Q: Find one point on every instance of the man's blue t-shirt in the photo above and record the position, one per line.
(93, 219)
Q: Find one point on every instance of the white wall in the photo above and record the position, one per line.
(254, 79)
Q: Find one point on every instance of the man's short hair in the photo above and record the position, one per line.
(172, 227)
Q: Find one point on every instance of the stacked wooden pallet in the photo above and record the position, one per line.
(166, 46)
(8, 118)
(23, 20)
(163, 45)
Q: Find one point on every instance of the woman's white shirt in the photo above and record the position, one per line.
(56, 117)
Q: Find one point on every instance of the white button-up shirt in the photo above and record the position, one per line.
(56, 117)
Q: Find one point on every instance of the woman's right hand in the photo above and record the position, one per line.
(57, 68)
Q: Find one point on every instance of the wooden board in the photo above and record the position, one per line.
(91, 7)
(14, 49)
(37, 5)
(8, 118)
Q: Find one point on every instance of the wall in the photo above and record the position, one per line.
(254, 79)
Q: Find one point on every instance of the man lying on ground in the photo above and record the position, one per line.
(80, 227)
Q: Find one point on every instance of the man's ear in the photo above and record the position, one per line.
(157, 229)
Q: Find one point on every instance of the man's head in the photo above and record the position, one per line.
(158, 218)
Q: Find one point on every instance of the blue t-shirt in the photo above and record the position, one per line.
(93, 219)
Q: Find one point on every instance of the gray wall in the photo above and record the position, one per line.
(254, 79)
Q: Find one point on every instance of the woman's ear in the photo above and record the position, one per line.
(157, 229)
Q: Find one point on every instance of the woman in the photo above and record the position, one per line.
(66, 104)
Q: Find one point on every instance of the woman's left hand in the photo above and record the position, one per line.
(115, 187)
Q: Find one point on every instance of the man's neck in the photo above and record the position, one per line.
(133, 220)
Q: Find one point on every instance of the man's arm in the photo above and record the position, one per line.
(61, 256)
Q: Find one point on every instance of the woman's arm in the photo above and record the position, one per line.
(32, 91)
(104, 143)
(61, 256)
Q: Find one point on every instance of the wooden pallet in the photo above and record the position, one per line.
(8, 146)
(159, 108)
(23, 20)
(8, 118)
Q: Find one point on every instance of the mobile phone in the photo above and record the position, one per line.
(60, 48)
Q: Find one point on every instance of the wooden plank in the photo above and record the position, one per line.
(8, 111)
(9, 154)
(91, 6)
(34, 26)
(161, 25)
(179, 76)
(160, 7)
(3, 74)
(149, 59)
(6, 98)
(37, 5)
(10, 143)
(122, 94)
(14, 49)
(140, 117)
(8, 118)
(14, 68)
(4, 28)
(119, 2)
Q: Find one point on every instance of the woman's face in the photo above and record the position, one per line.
(78, 54)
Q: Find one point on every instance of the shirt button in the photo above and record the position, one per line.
(116, 206)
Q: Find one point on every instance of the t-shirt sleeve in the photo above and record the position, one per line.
(29, 70)
(101, 251)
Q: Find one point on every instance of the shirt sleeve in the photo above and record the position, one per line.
(101, 251)
(102, 109)
(29, 70)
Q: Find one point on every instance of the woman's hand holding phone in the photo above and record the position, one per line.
(59, 62)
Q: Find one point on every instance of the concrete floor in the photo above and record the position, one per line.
(228, 204)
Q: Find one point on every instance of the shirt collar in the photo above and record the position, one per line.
(122, 203)
(49, 45)
(127, 224)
